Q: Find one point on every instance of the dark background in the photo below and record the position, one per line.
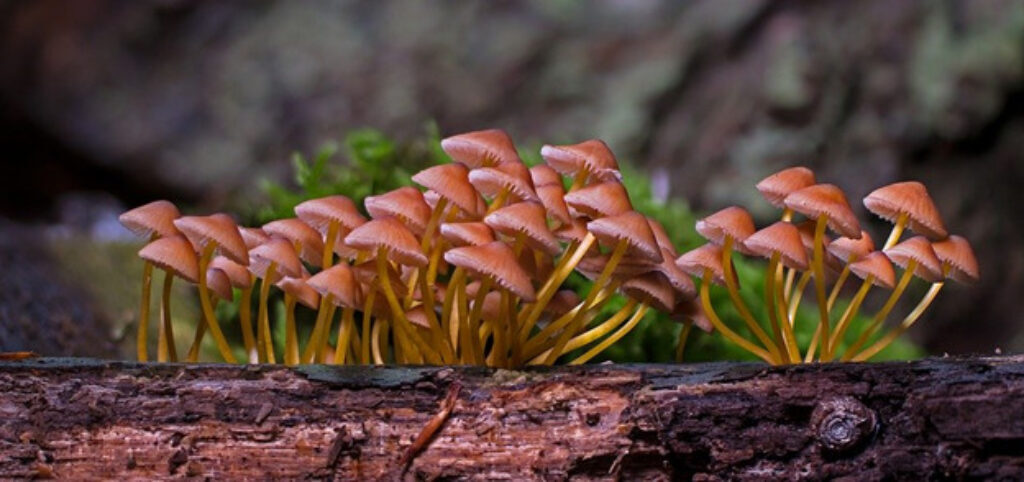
(105, 104)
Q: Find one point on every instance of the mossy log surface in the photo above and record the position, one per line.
(81, 419)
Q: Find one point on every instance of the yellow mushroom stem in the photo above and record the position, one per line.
(576, 324)
(580, 179)
(614, 337)
(499, 350)
(346, 330)
(604, 328)
(204, 301)
(322, 346)
(544, 340)
(472, 323)
(782, 310)
(883, 313)
(245, 319)
(411, 340)
(432, 249)
(787, 215)
(319, 329)
(903, 326)
(193, 351)
(705, 300)
(684, 334)
(798, 293)
(165, 343)
(788, 286)
(263, 338)
(741, 306)
(565, 266)
(381, 325)
(291, 342)
(436, 331)
(818, 267)
(849, 314)
(897, 231)
(449, 320)
(843, 275)
(364, 348)
(770, 306)
(498, 201)
(142, 337)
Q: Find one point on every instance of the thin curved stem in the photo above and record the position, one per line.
(346, 328)
(364, 348)
(705, 300)
(474, 318)
(263, 334)
(883, 313)
(319, 330)
(684, 334)
(325, 336)
(245, 319)
(291, 343)
(416, 345)
(498, 201)
(197, 340)
(542, 341)
(741, 306)
(562, 271)
(772, 309)
(381, 325)
(165, 344)
(142, 337)
(818, 266)
(849, 314)
(204, 301)
(798, 294)
(614, 337)
(903, 326)
(437, 333)
(604, 328)
(450, 322)
(897, 231)
(843, 275)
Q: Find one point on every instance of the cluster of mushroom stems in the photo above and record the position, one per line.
(466, 268)
(801, 253)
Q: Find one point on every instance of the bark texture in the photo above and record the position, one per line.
(931, 419)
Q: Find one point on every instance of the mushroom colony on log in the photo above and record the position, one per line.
(469, 267)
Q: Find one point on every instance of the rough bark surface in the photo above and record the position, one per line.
(931, 419)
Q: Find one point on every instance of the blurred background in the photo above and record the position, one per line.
(108, 104)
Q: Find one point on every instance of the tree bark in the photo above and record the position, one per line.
(932, 419)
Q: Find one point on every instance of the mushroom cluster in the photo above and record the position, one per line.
(804, 249)
(466, 269)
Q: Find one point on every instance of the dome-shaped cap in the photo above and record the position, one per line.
(732, 221)
(844, 248)
(776, 187)
(236, 273)
(418, 316)
(956, 253)
(529, 219)
(311, 245)
(219, 284)
(340, 282)
(220, 228)
(393, 236)
(929, 268)
(651, 289)
(173, 254)
(630, 266)
(829, 200)
(156, 217)
(465, 234)
(661, 236)
(481, 148)
(910, 198)
(782, 238)
(592, 155)
(451, 182)
(551, 194)
(631, 227)
(301, 291)
(279, 251)
(513, 176)
(708, 256)
(598, 200)
(405, 203)
(496, 261)
(253, 237)
(806, 229)
(877, 264)
(366, 274)
(318, 213)
(690, 309)
(676, 277)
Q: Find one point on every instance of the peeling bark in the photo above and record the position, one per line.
(931, 419)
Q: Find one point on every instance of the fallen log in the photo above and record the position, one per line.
(82, 419)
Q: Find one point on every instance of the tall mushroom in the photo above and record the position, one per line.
(296, 290)
(875, 269)
(269, 261)
(337, 285)
(777, 186)
(781, 244)
(173, 255)
(220, 287)
(903, 204)
(241, 278)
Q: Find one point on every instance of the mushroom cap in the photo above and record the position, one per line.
(301, 291)
(592, 265)
(391, 235)
(592, 155)
(366, 274)
(219, 284)
(432, 197)
(236, 273)
(405, 203)
(776, 187)
(877, 264)
(929, 268)
(562, 302)
(911, 198)
(574, 231)
(651, 289)
(463, 234)
(708, 256)
(552, 196)
(156, 217)
(844, 248)
(253, 237)
(631, 227)
(491, 309)
(173, 254)
(513, 176)
(496, 261)
(829, 200)
(956, 253)
(340, 282)
(311, 245)
(678, 278)
(529, 219)
(806, 229)
(481, 148)
(691, 309)
(451, 182)
(318, 213)
(598, 200)
(732, 221)
(661, 236)
(418, 316)
(782, 238)
(279, 251)
(219, 228)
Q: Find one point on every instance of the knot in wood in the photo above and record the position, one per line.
(843, 424)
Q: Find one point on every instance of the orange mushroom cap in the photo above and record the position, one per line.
(631, 227)
(599, 200)
(776, 187)
(513, 176)
(253, 237)
(678, 278)
(661, 236)
(877, 264)
(782, 238)
(303, 293)
(806, 229)
(910, 198)
(562, 302)
(548, 185)
(496, 261)
(481, 148)
(956, 253)
(691, 309)
(319, 213)
(219, 284)
(708, 256)
(844, 248)
(366, 274)
(311, 245)
(220, 228)
(236, 273)
(463, 234)
(173, 254)
(630, 266)
(592, 155)
(451, 181)
(828, 200)
(156, 217)
(651, 289)
(405, 203)
(393, 236)
(732, 221)
(929, 268)
(529, 219)
(279, 251)
(340, 282)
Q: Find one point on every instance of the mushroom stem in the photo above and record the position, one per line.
(849, 314)
(818, 266)
(364, 348)
(197, 341)
(346, 328)
(381, 325)
(437, 332)
(787, 289)
(787, 214)
(462, 308)
(897, 231)
(903, 326)
(705, 300)
(564, 268)
(882, 314)
(499, 351)
(770, 306)
(291, 343)
(614, 337)
(580, 179)
(319, 329)
(323, 346)
(474, 318)
(264, 340)
(786, 321)
(575, 325)
(741, 307)
(845, 273)
(498, 201)
(600, 330)
(245, 318)
(449, 322)
(794, 300)
(142, 338)
(684, 334)
(329, 241)
(165, 344)
(410, 338)
(541, 341)
(204, 300)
